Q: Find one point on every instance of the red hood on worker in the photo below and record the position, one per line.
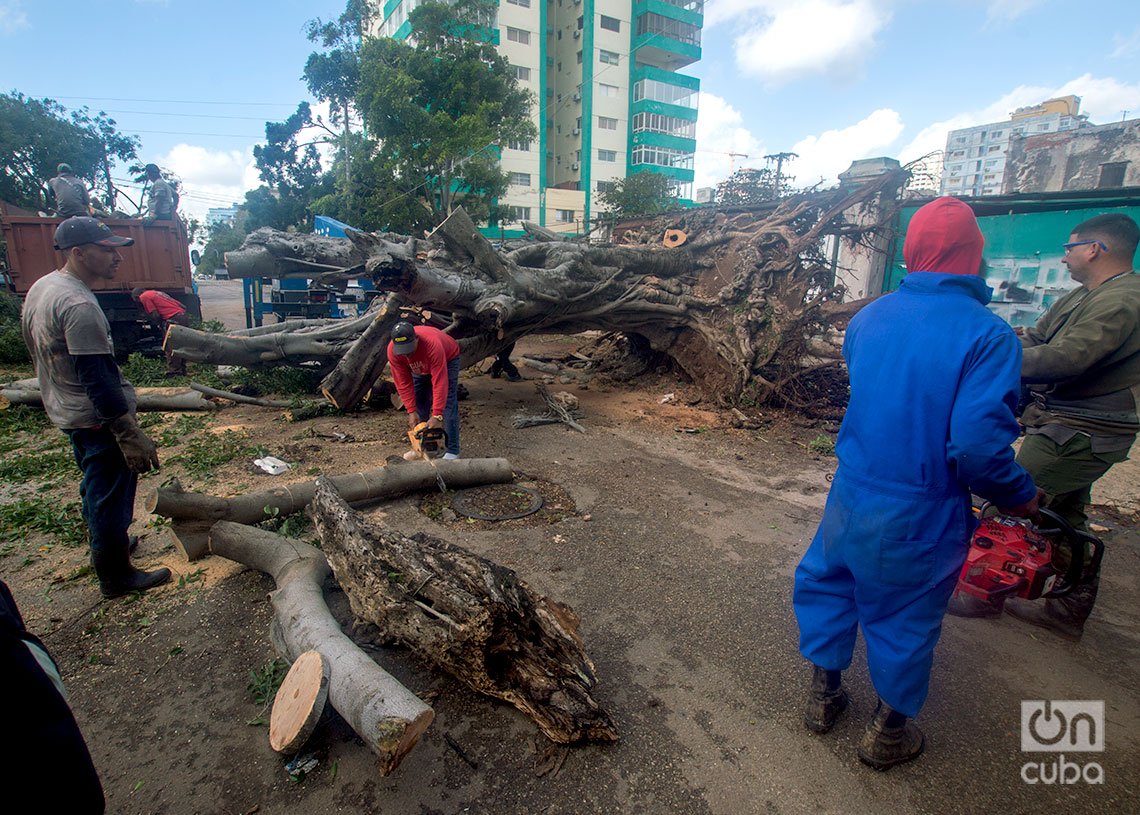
(944, 237)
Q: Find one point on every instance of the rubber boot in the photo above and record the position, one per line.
(117, 576)
(496, 369)
(890, 739)
(1064, 616)
(963, 604)
(826, 700)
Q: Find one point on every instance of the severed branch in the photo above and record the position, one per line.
(385, 714)
(475, 619)
(556, 412)
(193, 513)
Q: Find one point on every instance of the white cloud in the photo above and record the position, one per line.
(1103, 99)
(720, 131)
(1004, 11)
(830, 153)
(784, 39)
(210, 178)
(13, 18)
(1125, 45)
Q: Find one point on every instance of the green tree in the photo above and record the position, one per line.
(291, 170)
(223, 237)
(643, 193)
(37, 134)
(439, 108)
(333, 76)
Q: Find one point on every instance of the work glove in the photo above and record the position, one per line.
(138, 450)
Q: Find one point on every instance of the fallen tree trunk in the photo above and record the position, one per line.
(305, 343)
(154, 400)
(193, 513)
(475, 619)
(733, 298)
(385, 714)
(214, 393)
(349, 383)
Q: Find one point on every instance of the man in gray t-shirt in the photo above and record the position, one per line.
(86, 396)
(71, 196)
(160, 196)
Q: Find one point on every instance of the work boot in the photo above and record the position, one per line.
(1064, 616)
(496, 369)
(963, 604)
(890, 739)
(512, 373)
(118, 576)
(826, 700)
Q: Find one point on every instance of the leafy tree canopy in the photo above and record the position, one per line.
(439, 107)
(747, 186)
(36, 135)
(643, 193)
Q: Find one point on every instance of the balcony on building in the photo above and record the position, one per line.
(667, 33)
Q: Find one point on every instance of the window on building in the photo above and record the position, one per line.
(521, 74)
(1112, 174)
(606, 186)
(610, 23)
(520, 144)
(995, 149)
(607, 155)
(564, 216)
(518, 214)
(579, 57)
(668, 27)
(997, 134)
(662, 156)
(669, 125)
(609, 57)
(665, 92)
(518, 35)
(606, 123)
(607, 90)
(581, 21)
(523, 3)
(520, 179)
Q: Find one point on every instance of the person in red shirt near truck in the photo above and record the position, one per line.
(162, 310)
(425, 368)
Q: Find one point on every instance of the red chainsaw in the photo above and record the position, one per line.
(1011, 557)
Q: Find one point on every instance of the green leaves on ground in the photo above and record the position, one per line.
(63, 522)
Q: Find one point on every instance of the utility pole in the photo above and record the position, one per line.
(780, 158)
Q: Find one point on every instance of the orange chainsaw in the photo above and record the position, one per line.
(429, 442)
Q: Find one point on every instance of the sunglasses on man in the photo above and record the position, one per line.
(1075, 244)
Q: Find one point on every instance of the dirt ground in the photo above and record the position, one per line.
(676, 547)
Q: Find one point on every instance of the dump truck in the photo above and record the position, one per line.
(159, 259)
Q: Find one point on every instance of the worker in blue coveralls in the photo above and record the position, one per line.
(934, 384)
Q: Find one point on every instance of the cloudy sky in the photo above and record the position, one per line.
(831, 80)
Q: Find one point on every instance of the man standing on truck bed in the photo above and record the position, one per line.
(70, 193)
(86, 396)
(162, 310)
(160, 203)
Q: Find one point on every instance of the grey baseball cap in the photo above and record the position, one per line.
(81, 230)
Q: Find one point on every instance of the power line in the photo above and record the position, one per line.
(176, 101)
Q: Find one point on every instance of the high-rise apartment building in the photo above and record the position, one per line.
(608, 99)
(974, 162)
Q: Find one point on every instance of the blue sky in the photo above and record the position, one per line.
(832, 80)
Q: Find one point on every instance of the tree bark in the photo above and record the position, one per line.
(351, 380)
(27, 392)
(385, 714)
(475, 619)
(193, 513)
(303, 343)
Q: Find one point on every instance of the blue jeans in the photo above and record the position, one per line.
(107, 489)
(422, 384)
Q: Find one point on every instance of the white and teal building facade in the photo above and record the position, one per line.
(610, 99)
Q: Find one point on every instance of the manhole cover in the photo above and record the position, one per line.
(497, 502)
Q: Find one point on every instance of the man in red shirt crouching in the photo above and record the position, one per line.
(162, 310)
(425, 368)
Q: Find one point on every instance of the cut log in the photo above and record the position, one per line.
(385, 714)
(299, 702)
(475, 619)
(237, 397)
(193, 512)
(150, 400)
